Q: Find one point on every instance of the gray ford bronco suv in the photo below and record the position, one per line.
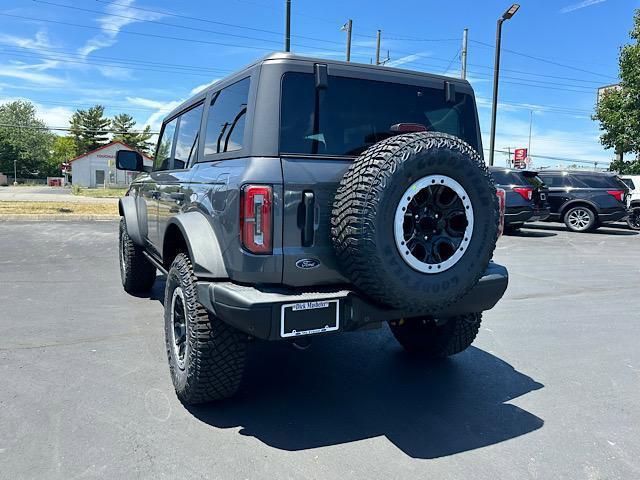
(303, 197)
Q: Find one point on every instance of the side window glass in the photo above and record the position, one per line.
(225, 124)
(165, 145)
(187, 140)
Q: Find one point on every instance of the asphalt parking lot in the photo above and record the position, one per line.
(550, 390)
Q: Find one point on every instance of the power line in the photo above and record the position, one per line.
(116, 59)
(125, 67)
(545, 60)
(213, 22)
(561, 159)
(68, 129)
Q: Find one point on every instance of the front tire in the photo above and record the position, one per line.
(206, 356)
(136, 272)
(633, 220)
(580, 219)
(425, 337)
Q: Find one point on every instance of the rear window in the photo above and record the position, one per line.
(597, 181)
(533, 179)
(353, 114)
(506, 177)
(629, 183)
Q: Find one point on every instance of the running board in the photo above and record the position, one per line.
(155, 262)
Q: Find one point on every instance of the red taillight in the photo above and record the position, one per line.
(255, 218)
(502, 205)
(525, 192)
(617, 194)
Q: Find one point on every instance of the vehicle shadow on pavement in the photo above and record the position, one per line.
(529, 233)
(349, 388)
(604, 230)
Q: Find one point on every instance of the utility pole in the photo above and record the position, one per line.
(348, 27)
(530, 125)
(465, 35)
(287, 28)
(378, 47)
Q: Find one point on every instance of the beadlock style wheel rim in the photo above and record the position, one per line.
(179, 327)
(579, 219)
(433, 224)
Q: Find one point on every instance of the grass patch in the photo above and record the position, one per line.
(99, 192)
(57, 208)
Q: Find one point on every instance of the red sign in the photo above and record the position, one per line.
(520, 155)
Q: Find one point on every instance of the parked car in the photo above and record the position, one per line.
(284, 203)
(585, 200)
(633, 184)
(526, 196)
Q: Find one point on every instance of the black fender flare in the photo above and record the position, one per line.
(134, 212)
(576, 202)
(203, 245)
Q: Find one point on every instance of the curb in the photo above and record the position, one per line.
(58, 218)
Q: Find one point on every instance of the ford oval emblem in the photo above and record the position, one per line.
(307, 263)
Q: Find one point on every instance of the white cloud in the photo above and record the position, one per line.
(578, 6)
(41, 40)
(513, 131)
(200, 88)
(406, 59)
(112, 24)
(27, 73)
(163, 108)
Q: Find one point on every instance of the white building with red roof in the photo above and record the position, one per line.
(98, 167)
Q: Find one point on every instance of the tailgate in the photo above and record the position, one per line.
(309, 189)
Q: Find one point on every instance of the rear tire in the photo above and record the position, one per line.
(580, 219)
(206, 356)
(422, 336)
(136, 272)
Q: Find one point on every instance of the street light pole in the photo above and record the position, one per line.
(496, 73)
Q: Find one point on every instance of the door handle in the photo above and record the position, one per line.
(308, 204)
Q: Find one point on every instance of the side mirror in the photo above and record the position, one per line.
(130, 160)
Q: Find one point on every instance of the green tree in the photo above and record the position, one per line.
(123, 129)
(89, 129)
(24, 138)
(618, 110)
(64, 149)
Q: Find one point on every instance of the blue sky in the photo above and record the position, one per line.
(124, 54)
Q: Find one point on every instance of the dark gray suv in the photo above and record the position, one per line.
(301, 197)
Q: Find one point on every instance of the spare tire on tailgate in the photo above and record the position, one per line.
(415, 221)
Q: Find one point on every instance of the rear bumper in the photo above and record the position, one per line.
(540, 214)
(606, 217)
(517, 215)
(256, 311)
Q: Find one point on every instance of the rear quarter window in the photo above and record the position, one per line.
(597, 181)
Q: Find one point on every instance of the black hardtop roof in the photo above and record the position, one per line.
(577, 172)
(294, 58)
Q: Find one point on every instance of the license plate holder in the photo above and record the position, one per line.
(307, 318)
